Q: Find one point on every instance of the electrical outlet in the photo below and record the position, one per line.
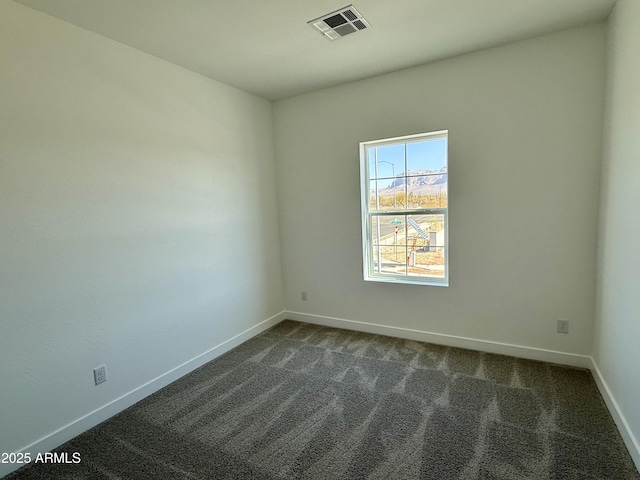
(303, 295)
(563, 325)
(100, 374)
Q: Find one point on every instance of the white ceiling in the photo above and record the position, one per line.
(266, 47)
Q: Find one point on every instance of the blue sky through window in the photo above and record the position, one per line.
(426, 155)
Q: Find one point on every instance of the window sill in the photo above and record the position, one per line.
(407, 280)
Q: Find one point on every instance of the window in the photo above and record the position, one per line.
(404, 209)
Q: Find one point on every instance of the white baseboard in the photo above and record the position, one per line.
(530, 353)
(627, 435)
(91, 419)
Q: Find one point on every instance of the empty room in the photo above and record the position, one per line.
(308, 239)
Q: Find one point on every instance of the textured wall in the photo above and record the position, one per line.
(525, 127)
(139, 220)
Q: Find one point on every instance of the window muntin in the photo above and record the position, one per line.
(404, 183)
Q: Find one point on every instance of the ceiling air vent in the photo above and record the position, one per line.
(340, 23)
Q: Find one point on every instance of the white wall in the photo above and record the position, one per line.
(617, 332)
(139, 225)
(525, 127)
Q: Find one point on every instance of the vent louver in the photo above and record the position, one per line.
(340, 23)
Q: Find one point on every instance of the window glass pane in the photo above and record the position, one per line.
(391, 266)
(387, 225)
(425, 244)
(427, 264)
(427, 156)
(389, 195)
(427, 191)
(392, 251)
(390, 161)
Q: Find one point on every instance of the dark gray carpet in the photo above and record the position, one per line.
(302, 401)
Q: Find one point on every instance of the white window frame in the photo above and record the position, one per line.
(367, 214)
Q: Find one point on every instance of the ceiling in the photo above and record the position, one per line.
(267, 48)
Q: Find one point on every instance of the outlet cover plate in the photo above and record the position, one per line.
(100, 374)
(563, 325)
